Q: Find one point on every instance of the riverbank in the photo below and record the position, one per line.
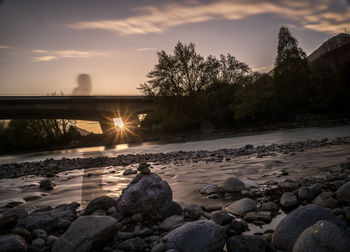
(258, 201)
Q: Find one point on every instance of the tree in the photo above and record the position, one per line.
(291, 74)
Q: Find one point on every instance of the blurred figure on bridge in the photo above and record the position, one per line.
(84, 85)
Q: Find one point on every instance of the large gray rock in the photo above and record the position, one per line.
(326, 200)
(146, 193)
(289, 229)
(343, 192)
(288, 200)
(203, 235)
(50, 219)
(100, 203)
(13, 243)
(233, 184)
(323, 236)
(246, 243)
(87, 233)
(170, 222)
(241, 206)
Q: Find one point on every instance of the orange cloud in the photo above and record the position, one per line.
(315, 15)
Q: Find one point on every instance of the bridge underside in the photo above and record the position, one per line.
(101, 109)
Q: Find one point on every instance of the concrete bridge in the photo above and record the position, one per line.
(93, 108)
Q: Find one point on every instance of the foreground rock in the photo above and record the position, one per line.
(289, 229)
(100, 203)
(233, 184)
(246, 243)
(324, 236)
(241, 206)
(87, 233)
(343, 192)
(204, 236)
(12, 243)
(146, 193)
(50, 219)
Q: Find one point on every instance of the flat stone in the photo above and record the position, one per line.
(202, 235)
(209, 189)
(343, 192)
(241, 206)
(87, 233)
(233, 184)
(269, 206)
(258, 216)
(170, 222)
(288, 200)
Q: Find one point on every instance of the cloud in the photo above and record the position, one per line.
(330, 16)
(45, 55)
(5, 47)
(145, 49)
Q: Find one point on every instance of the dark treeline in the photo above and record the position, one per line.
(192, 92)
(20, 135)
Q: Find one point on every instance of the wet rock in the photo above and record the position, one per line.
(160, 247)
(249, 184)
(169, 208)
(269, 206)
(289, 229)
(47, 184)
(124, 236)
(100, 203)
(316, 189)
(304, 193)
(326, 200)
(20, 212)
(191, 211)
(24, 233)
(233, 184)
(212, 208)
(241, 206)
(145, 193)
(38, 243)
(144, 168)
(222, 218)
(203, 235)
(39, 233)
(170, 222)
(133, 244)
(8, 221)
(144, 232)
(50, 219)
(258, 216)
(51, 240)
(323, 236)
(14, 203)
(87, 233)
(209, 189)
(343, 192)
(129, 171)
(288, 200)
(246, 243)
(12, 242)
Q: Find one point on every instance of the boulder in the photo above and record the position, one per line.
(233, 184)
(100, 203)
(50, 219)
(323, 236)
(326, 200)
(209, 189)
(289, 229)
(343, 192)
(170, 222)
(241, 206)
(87, 233)
(191, 211)
(288, 200)
(304, 193)
(202, 235)
(12, 242)
(169, 208)
(145, 193)
(246, 243)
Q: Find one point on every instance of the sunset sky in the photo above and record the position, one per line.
(45, 44)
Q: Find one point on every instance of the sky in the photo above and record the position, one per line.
(46, 44)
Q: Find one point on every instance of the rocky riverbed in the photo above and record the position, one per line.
(289, 197)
